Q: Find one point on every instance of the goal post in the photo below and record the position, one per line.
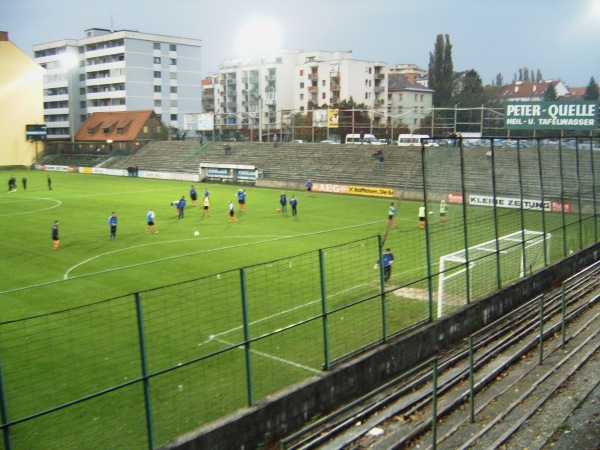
(512, 256)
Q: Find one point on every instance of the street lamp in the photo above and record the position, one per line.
(110, 143)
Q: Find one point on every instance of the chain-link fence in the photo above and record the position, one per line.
(139, 370)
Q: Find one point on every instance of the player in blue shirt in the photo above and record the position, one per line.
(181, 206)
(112, 223)
(388, 259)
(283, 202)
(294, 205)
(309, 186)
(241, 195)
(194, 196)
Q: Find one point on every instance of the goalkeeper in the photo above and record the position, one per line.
(388, 259)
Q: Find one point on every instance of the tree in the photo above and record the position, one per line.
(441, 71)
(550, 94)
(538, 76)
(470, 93)
(499, 80)
(591, 91)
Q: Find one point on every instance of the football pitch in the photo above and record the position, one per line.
(83, 336)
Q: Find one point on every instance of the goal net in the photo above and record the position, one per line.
(509, 257)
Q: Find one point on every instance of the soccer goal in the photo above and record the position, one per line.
(512, 256)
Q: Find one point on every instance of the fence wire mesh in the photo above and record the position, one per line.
(142, 369)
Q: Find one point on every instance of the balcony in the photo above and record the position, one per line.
(334, 87)
(312, 89)
(313, 76)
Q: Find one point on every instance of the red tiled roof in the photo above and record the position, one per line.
(106, 125)
(527, 89)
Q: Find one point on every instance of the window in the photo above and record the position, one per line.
(157, 60)
(91, 130)
(157, 74)
(157, 46)
(416, 97)
(301, 72)
(158, 103)
(422, 97)
(323, 83)
(173, 47)
(301, 85)
(157, 89)
(301, 96)
(324, 95)
(120, 130)
(173, 62)
(173, 89)
(173, 116)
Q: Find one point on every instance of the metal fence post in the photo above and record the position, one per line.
(522, 210)
(246, 337)
(541, 339)
(471, 382)
(465, 220)
(427, 238)
(434, 405)
(495, 211)
(593, 188)
(324, 311)
(4, 413)
(144, 361)
(543, 210)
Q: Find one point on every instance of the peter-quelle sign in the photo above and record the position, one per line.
(580, 115)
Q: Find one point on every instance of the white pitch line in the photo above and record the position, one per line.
(56, 205)
(276, 358)
(245, 244)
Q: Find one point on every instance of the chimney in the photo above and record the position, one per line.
(3, 36)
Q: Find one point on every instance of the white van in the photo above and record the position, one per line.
(367, 139)
(408, 140)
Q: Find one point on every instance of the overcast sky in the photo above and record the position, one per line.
(561, 38)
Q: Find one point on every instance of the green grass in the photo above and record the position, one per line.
(81, 342)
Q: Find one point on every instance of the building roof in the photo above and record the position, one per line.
(120, 126)
(576, 93)
(400, 82)
(524, 90)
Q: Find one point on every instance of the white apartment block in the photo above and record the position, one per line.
(118, 71)
(262, 92)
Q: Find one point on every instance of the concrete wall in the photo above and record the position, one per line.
(289, 410)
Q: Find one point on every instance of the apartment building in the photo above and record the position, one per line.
(109, 71)
(262, 92)
(409, 102)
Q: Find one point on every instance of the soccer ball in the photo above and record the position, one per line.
(196, 233)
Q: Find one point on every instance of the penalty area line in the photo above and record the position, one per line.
(275, 358)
